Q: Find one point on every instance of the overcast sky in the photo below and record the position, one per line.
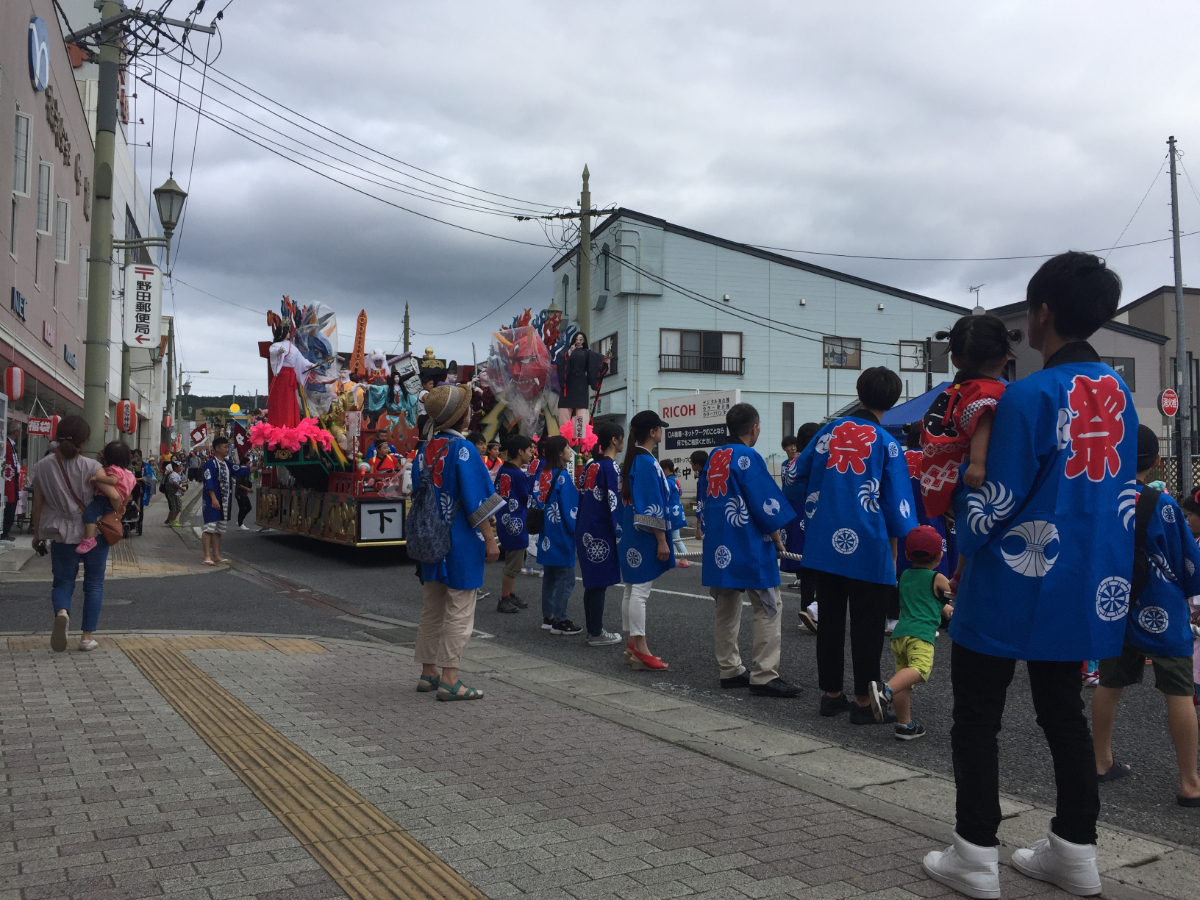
(917, 129)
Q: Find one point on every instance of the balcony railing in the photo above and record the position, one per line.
(719, 365)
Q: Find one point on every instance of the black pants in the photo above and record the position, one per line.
(243, 507)
(10, 515)
(980, 685)
(866, 601)
(593, 609)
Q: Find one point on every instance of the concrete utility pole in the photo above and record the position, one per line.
(1182, 363)
(169, 364)
(406, 331)
(95, 370)
(583, 290)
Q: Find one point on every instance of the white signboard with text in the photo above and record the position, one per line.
(695, 422)
(143, 306)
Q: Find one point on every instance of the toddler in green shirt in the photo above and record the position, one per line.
(922, 606)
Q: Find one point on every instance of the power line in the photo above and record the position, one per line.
(1153, 182)
(195, 144)
(494, 311)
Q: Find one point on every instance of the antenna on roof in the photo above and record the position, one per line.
(978, 310)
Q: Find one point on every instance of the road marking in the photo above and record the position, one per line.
(364, 851)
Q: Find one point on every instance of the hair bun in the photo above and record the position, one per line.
(941, 335)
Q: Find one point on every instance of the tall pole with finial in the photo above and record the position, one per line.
(406, 331)
(583, 291)
(1182, 363)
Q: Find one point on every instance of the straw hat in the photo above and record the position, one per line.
(446, 405)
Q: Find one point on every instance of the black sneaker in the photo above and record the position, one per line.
(520, 604)
(506, 605)
(910, 732)
(863, 715)
(832, 706)
(881, 700)
(775, 688)
(547, 623)
(566, 626)
(737, 681)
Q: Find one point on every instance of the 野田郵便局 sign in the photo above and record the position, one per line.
(143, 306)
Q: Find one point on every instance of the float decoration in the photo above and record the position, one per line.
(274, 437)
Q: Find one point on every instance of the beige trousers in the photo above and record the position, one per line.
(768, 635)
(447, 619)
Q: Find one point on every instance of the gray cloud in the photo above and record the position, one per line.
(931, 129)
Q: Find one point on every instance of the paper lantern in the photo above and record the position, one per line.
(126, 417)
(14, 383)
(168, 421)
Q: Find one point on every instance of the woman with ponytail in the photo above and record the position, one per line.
(60, 482)
(642, 545)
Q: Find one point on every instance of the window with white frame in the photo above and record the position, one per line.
(21, 137)
(607, 346)
(62, 230)
(700, 351)
(82, 289)
(841, 353)
(44, 187)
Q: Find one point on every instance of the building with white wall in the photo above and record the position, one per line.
(682, 311)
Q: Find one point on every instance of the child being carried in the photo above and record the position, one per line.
(114, 483)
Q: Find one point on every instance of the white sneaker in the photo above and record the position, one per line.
(889, 625)
(244, 527)
(88, 645)
(969, 869)
(1070, 866)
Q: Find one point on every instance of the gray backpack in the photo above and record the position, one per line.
(428, 533)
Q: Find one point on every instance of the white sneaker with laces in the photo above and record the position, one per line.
(88, 645)
(966, 867)
(244, 527)
(604, 639)
(1070, 866)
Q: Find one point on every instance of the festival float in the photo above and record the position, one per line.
(328, 412)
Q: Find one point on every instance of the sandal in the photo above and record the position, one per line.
(427, 683)
(1188, 802)
(452, 693)
(641, 661)
(209, 562)
(1116, 771)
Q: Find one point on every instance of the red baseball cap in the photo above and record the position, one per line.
(922, 543)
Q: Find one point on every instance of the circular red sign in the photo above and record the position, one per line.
(1168, 402)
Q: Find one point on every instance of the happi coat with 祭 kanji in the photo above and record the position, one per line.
(1159, 619)
(642, 519)
(949, 563)
(559, 499)
(742, 507)
(1048, 536)
(857, 496)
(513, 485)
(599, 520)
(466, 497)
(793, 532)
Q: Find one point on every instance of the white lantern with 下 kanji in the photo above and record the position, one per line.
(126, 417)
(14, 383)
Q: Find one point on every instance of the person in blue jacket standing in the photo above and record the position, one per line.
(559, 500)
(1048, 541)
(642, 539)
(596, 533)
(793, 532)
(858, 502)
(742, 514)
(1158, 631)
(513, 485)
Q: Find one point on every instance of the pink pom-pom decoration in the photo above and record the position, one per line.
(263, 434)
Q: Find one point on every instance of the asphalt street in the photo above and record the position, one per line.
(278, 581)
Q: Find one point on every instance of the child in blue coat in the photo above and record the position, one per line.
(596, 533)
(559, 500)
(1158, 631)
(513, 485)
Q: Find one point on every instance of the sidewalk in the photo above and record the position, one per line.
(159, 550)
(219, 766)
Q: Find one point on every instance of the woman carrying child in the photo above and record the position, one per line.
(113, 484)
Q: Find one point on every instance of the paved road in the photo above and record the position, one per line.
(383, 583)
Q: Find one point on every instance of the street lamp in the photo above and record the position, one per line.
(169, 200)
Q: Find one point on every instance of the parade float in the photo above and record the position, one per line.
(328, 412)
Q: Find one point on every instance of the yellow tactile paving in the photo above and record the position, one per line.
(366, 853)
(295, 645)
(242, 643)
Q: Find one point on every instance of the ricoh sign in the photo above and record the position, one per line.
(695, 422)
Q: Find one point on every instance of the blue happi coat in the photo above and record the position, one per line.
(648, 514)
(742, 506)
(793, 532)
(559, 498)
(1048, 537)
(1159, 618)
(465, 493)
(949, 563)
(675, 510)
(513, 485)
(857, 495)
(599, 519)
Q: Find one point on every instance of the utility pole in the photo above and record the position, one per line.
(169, 364)
(95, 371)
(406, 331)
(583, 290)
(1182, 363)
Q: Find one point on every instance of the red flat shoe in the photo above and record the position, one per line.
(646, 661)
